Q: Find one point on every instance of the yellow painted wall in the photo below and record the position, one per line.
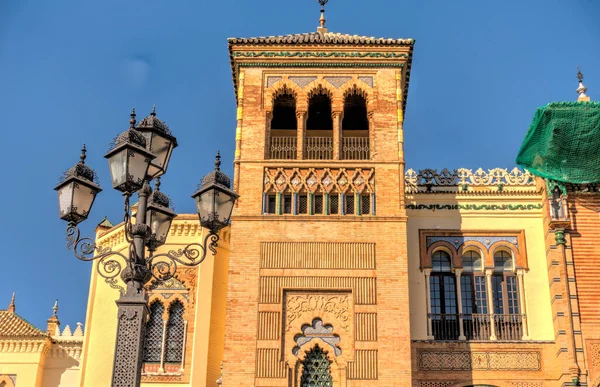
(537, 293)
(101, 318)
(61, 372)
(27, 366)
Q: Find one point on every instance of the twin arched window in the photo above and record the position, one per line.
(173, 330)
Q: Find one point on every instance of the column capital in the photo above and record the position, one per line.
(489, 272)
(427, 271)
(458, 271)
(336, 114)
(300, 113)
(520, 272)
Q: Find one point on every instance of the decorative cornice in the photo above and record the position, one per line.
(24, 345)
(315, 54)
(475, 207)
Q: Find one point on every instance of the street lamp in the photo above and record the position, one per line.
(137, 156)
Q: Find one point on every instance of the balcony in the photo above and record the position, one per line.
(355, 148)
(319, 148)
(508, 327)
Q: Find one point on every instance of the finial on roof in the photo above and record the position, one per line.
(132, 119)
(55, 309)
(11, 307)
(218, 161)
(153, 114)
(581, 90)
(322, 28)
(82, 156)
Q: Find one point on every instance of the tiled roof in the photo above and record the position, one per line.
(325, 38)
(13, 325)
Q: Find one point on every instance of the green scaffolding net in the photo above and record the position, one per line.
(563, 143)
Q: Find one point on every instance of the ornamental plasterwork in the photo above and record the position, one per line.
(317, 54)
(458, 241)
(430, 180)
(337, 305)
(476, 207)
(317, 330)
(319, 180)
(469, 361)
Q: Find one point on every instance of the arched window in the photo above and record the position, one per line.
(175, 333)
(154, 333)
(319, 111)
(474, 297)
(316, 370)
(284, 111)
(444, 312)
(355, 112)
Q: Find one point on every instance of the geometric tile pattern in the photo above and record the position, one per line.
(468, 361)
(457, 241)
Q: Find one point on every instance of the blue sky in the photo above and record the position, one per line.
(70, 71)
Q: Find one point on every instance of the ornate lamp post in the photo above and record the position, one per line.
(137, 156)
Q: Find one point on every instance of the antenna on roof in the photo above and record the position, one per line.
(322, 28)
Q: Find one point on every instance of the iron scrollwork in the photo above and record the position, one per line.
(193, 254)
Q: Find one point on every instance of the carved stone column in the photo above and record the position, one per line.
(520, 273)
(131, 329)
(337, 135)
(461, 328)
(301, 140)
(427, 273)
(488, 280)
(162, 346)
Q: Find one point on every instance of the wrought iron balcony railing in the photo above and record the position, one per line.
(283, 148)
(319, 148)
(355, 148)
(477, 326)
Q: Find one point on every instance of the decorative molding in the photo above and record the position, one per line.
(317, 255)
(317, 54)
(16, 345)
(268, 364)
(272, 80)
(338, 305)
(364, 288)
(337, 81)
(313, 180)
(367, 80)
(365, 327)
(435, 384)
(475, 207)
(458, 241)
(302, 81)
(471, 361)
(364, 367)
(269, 325)
(429, 180)
(317, 330)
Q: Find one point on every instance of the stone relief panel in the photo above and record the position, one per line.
(473, 361)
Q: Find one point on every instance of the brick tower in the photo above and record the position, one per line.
(318, 284)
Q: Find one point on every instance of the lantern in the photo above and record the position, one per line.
(159, 141)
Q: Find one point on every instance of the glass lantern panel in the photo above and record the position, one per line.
(83, 197)
(161, 148)
(160, 224)
(223, 206)
(118, 167)
(65, 199)
(205, 203)
(138, 166)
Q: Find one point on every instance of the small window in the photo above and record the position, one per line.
(318, 203)
(365, 204)
(441, 261)
(302, 204)
(349, 205)
(334, 204)
(287, 203)
(271, 204)
(503, 261)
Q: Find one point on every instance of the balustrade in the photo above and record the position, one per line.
(319, 148)
(283, 148)
(477, 326)
(355, 148)
(509, 326)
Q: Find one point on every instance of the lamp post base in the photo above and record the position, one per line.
(131, 330)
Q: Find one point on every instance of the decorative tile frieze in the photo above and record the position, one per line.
(471, 361)
(324, 180)
(337, 81)
(475, 207)
(367, 80)
(430, 180)
(272, 80)
(487, 241)
(303, 81)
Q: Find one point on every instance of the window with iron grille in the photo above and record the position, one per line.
(334, 204)
(271, 204)
(318, 204)
(154, 333)
(365, 204)
(287, 203)
(302, 204)
(316, 370)
(349, 205)
(175, 333)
